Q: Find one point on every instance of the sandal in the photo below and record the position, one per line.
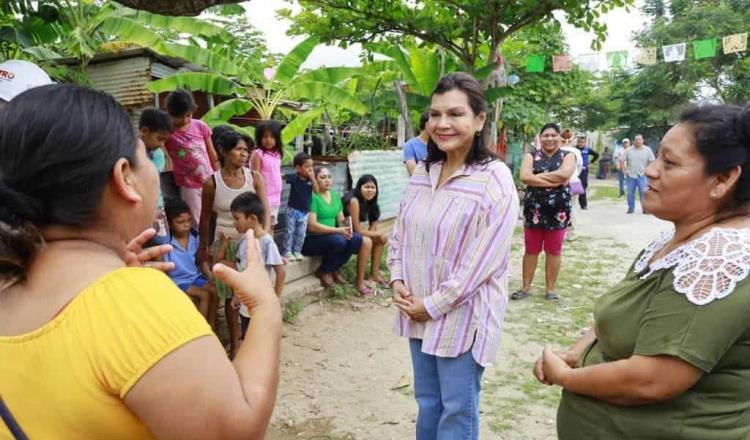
(551, 296)
(519, 294)
(366, 292)
(381, 282)
(325, 278)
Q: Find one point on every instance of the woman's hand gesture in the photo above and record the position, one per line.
(138, 256)
(252, 286)
(551, 367)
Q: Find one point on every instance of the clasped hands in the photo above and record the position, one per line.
(412, 307)
(552, 366)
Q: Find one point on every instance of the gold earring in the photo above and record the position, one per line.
(477, 134)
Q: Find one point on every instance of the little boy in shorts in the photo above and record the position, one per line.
(247, 210)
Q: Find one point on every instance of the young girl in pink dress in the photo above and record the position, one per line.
(266, 160)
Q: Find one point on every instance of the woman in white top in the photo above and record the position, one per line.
(231, 180)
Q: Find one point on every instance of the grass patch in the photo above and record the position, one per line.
(604, 193)
(292, 310)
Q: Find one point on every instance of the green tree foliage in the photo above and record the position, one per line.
(470, 30)
(542, 97)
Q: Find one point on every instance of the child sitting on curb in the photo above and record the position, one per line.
(186, 274)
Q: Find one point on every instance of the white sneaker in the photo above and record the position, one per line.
(290, 257)
(299, 256)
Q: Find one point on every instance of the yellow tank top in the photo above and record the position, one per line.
(67, 379)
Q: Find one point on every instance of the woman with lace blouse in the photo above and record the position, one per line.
(668, 355)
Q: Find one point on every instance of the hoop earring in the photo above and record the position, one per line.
(477, 134)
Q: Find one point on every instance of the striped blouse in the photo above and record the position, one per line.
(451, 246)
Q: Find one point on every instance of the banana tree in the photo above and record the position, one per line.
(49, 29)
(285, 82)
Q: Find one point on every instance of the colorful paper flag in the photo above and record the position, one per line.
(617, 59)
(735, 43)
(561, 63)
(646, 56)
(588, 62)
(705, 48)
(535, 63)
(674, 52)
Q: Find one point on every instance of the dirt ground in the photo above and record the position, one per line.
(345, 376)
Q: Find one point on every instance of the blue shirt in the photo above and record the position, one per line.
(300, 194)
(585, 151)
(185, 270)
(415, 149)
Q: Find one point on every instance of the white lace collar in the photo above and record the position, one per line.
(708, 267)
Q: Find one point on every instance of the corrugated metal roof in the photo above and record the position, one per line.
(160, 70)
(389, 169)
(125, 79)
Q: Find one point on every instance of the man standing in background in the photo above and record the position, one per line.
(636, 161)
(589, 157)
(415, 149)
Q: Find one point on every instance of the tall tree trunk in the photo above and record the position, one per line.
(403, 108)
(175, 7)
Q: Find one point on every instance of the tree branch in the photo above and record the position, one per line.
(175, 7)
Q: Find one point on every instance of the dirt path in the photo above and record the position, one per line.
(345, 376)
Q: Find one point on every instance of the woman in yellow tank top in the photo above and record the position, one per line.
(91, 348)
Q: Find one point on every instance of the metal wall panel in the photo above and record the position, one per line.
(124, 79)
(160, 70)
(389, 169)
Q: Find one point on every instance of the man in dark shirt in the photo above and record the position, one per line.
(589, 157)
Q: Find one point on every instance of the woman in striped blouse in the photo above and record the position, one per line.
(449, 260)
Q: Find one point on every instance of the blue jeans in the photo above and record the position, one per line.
(621, 181)
(296, 229)
(335, 249)
(641, 183)
(447, 393)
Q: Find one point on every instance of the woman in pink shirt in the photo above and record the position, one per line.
(449, 260)
(190, 149)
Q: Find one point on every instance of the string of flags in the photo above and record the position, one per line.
(646, 56)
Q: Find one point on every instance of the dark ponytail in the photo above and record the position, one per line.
(722, 137)
(58, 144)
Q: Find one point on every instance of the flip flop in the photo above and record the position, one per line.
(367, 292)
(519, 294)
(382, 283)
(551, 296)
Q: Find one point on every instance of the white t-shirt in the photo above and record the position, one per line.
(579, 162)
(271, 258)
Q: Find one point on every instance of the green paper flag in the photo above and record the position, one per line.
(618, 59)
(705, 48)
(535, 63)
